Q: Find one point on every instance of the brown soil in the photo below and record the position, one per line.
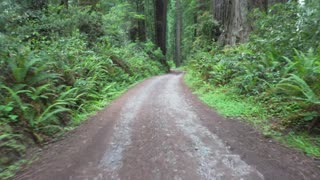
(160, 130)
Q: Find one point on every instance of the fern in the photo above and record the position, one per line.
(48, 113)
(306, 65)
(20, 66)
(40, 92)
(14, 96)
(294, 85)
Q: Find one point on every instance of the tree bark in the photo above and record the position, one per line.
(233, 17)
(161, 24)
(160, 8)
(178, 33)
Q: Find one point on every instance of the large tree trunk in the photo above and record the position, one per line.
(178, 33)
(161, 24)
(233, 17)
(160, 8)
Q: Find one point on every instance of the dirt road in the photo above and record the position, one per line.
(158, 130)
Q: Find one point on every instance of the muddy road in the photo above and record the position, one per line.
(158, 130)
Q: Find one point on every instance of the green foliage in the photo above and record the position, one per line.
(302, 85)
(287, 27)
(60, 65)
(278, 64)
(223, 100)
(207, 30)
(297, 88)
(278, 69)
(310, 144)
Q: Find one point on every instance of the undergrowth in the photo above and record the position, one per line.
(229, 104)
(273, 80)
(59, 65)
(226, 102)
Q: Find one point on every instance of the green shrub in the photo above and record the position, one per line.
(60, 65)
(279, 66)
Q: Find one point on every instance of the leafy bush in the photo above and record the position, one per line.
(59, 65)
(303, 85)
(278, 66)
(286, 27)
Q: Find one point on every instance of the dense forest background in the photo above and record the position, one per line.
(61, 60)
(258, 60)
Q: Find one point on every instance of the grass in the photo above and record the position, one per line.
(99, 105)
(9, 172)
(303, 141)
(229, 104)
(224, 101)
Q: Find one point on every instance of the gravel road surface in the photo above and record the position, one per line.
(159, 130)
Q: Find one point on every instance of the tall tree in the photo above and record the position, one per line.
(178, 33)
(161, 23)
(233, 17)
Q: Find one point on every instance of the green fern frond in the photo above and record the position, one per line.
(295, 85)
